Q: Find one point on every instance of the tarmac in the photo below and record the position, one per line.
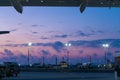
(64, 76)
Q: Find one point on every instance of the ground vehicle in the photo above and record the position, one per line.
(117, 63)
(12, 68)
(2, 70)
(8, 69)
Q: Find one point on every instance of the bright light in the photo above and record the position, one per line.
(105, 45)
(29, 44)
(41, 0)
(30, 64)
(67, 44)
(104, 65)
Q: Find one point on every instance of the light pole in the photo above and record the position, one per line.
(105, 46)
(29, 44)
(68, 45)
(56, 60)
(90, 59)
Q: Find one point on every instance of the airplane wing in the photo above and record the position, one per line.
(4, 32)
(17, 4)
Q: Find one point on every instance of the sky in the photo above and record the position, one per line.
(49, 28)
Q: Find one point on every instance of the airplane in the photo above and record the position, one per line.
(82, 4)
(4, 32)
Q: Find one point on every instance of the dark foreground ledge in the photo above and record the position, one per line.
(64, 70)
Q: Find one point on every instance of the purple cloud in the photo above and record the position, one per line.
(61, 36)
(8, 52)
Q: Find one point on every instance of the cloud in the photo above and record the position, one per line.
(61, 36)
(42, 25)
(93, 44)
(14, 45)
(9, 41)
(82, 34)
(2, 53)
(44, 38)
(45, 52)
(20, 23)
(96, 31)
(13, 30)
(109, 54)
(8, 52)
(34, 32)
(117, 51)
(95, 55)
(13, 58)
(81, 51)
(22, 56)
(59, 46)
(51, 31)
(93, 31)
(99, 31)
(115, 43)
(119, 31)
(23, 59)
(34, 25)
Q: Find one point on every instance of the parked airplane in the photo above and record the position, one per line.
(18, 4)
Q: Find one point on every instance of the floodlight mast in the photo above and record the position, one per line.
(68, 56)
(105, 46)
(29, 44)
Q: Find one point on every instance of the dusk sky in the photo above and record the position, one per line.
(49, 28)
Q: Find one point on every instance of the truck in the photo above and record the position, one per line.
(9, 69)
(117, 64)
(12, 68)
(2, 70)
